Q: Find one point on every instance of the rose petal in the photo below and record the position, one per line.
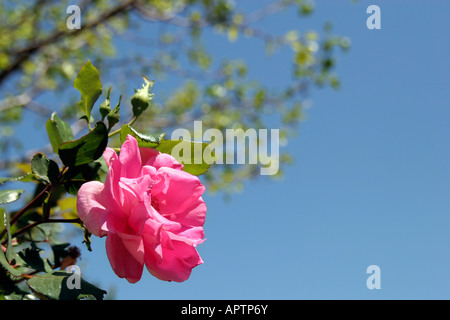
(123, 263)
(178, 259)
(130, 158)
(91, 207)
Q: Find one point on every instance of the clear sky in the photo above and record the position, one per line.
(369, 186)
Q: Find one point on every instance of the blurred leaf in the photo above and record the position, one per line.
(86, 149)
(25, 178)
(7, 196)
(10, 252)
(58, 131)
(90, 86)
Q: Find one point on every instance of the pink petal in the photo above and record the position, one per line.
(147, 154)
(164, 160)
(109, 154)
(123, 263)
(91, 207)
(178, 259)
(130, 158)
(182, 201)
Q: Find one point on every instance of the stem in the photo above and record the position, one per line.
(132, 121)
(34, 224)
(24, 209)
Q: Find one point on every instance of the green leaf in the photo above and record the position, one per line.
(10, 252)
(54, 286)
(150, 141)
(59, 252)
(187, 153)
(17, 295)
(25, 178)
(58, 131)
(7, 196)
(114, 115)
(32, 259)
(4, 263)
(90, 86)
(141, 99)
(76, 176)
(105, 107)
(86, 149)
(45, 168)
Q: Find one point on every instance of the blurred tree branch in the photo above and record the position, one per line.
(39, 56)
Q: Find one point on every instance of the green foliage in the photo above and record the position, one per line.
(85, 149)
(90, 86)
(53, 286)
(81, 162)
(44, 168)
(8, 196)
(188, 153)
(114, 115)
(45, 55)
(58, 131)
(148, 141)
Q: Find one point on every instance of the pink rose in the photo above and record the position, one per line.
(150, 211)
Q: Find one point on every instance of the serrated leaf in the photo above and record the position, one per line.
(11, 195)
(89, 85)
(86, 149)
(143, 140)
(44, 168)
(189, 153)
(141, 98)
(58, 131)
(54, 286)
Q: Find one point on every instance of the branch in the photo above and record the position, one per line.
(25, 53)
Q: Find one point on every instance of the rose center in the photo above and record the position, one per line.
(155, 203)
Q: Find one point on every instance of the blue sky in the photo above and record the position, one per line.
(370, 182)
